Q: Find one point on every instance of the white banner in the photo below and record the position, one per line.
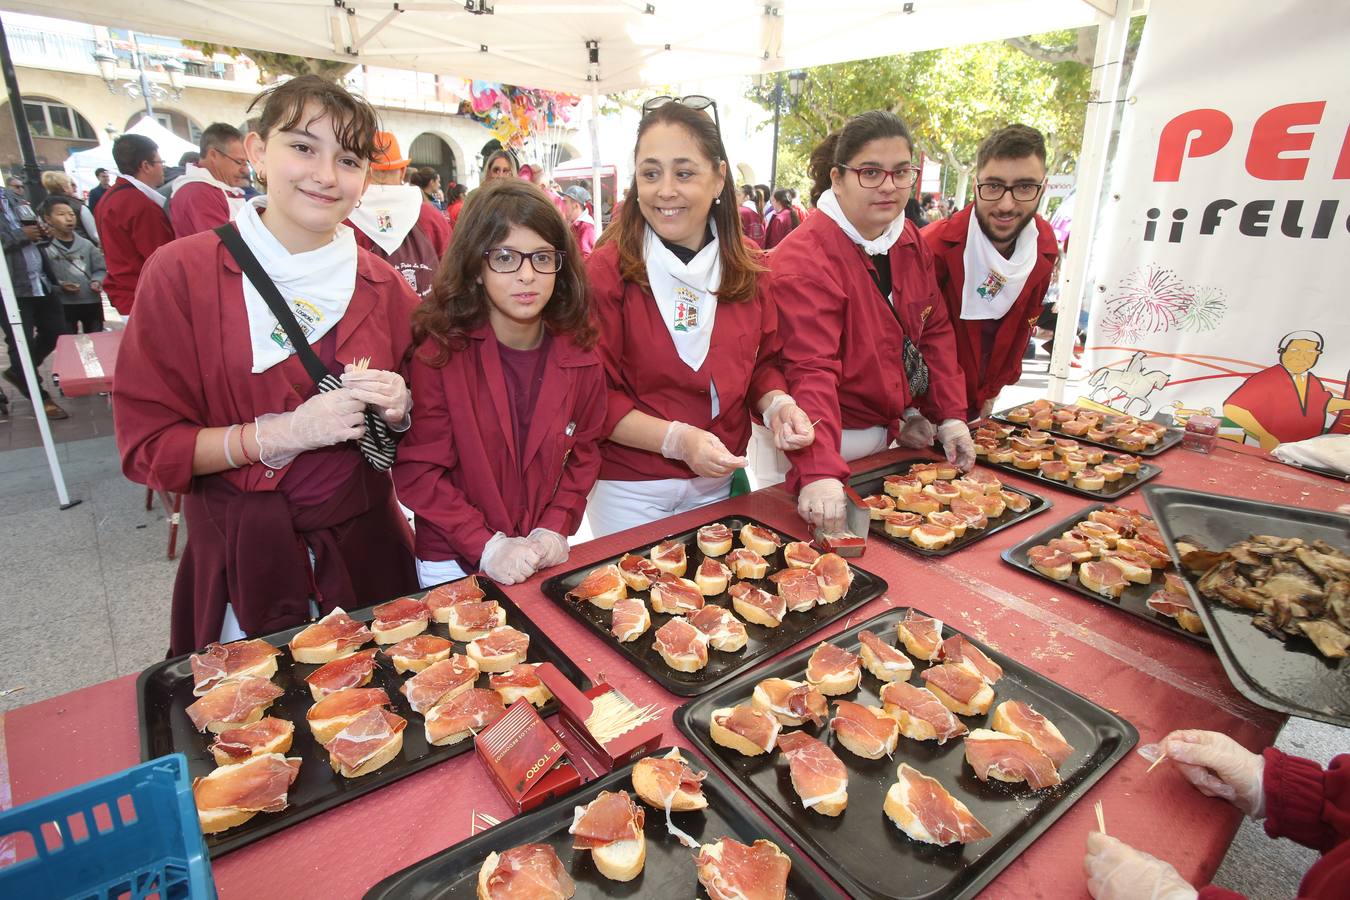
(1223, 265)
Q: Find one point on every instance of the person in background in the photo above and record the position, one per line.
(59, 184)
(795, 202)
(16, 184)
(994, 261)
(784, 221)
(535, 176)
(689, 331)
(105, 181)
(510, 395)
(575, 201)
(454, 203)
(428, 181)
(42, 320)
(210, 192)
(76, 265)
(1298, 799)
(764, 197)
(867, 345)
(751, 222)
(132, 220)
(173, 173)
(499, 164)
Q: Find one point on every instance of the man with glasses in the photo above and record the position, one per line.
(210, 192)
(131, 218)
(993, 262)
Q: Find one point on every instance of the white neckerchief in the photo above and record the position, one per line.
(878, 246)
(993, 283)
(387, 213)
(582, 217)
(148, 191)
(234, 196)
(317, 284)
(686, 295)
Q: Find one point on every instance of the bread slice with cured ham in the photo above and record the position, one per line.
(233, 703)
(923, 809)
(1018, 719)
(462, 716)
(959, 689)
(882, 660)
(601, 587)
(638, 572)
(440, 599)
(712, 577)
(439, 682)
(671, 557)
(399, 619)
(336, 634)
(473, 619)
(833, 670)
(744, 729)
(792, 703)
(1050, 562)
(668, 783)
(681, 645)
(1007, 758)
(1102, 577)
(921, 635)
(520, 682)
(835, 576)
(799, 588)
(629, 619)
(499, 650)
(267, 735)
(959, 651)
(610, 826)
(729, 870)
(818, 776)
(746, 563)
(527, 872)
(416, 653)
(714, 539)
(367, 743)
(758, 606)
(799, 555)
(235, 793)
(919, 713)
(675, 596)
(344, 672)
(760, 540)
(725, 632)
(339, 709)
(864, 731)
(218, 663)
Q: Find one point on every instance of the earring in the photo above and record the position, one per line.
(358, 204)
(718, 201)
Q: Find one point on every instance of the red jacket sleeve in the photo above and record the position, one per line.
(812, 326)
(436, 227)
(946, 397)
(582, 465)
(1306, 803)
(197, 207)
(768, 372)
(607, 291)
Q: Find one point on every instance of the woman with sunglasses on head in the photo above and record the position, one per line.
(868, 347)
(288, 502)
(510, 395)
(689, 332)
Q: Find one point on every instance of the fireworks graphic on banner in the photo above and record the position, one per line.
(1151, 299)
(1207, 309)
(1119, 330)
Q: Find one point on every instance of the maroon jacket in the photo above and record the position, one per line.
(947, 239)
(196, 207)
(131, 226)
(752, 225)
(780, 226)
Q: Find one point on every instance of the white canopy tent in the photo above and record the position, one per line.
(81, 166)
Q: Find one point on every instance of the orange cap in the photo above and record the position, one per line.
(387, 154)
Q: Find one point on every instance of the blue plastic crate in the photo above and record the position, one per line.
(134, 835)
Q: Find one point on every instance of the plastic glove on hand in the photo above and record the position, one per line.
(1219, 766)
(791, 427)
(321, 421)
(957, 444)
(916, 432)
(552, 547)
(509, 560)
(822, 504)
(702, 451)
(386, 391)
(1117, 871)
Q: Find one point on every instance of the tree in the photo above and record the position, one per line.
(273, 65)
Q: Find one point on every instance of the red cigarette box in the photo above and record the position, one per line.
(575, 708)
(526, 759)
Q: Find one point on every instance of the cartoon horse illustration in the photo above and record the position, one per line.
(1132, 382)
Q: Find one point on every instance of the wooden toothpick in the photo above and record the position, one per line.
(1101, 819)
(1156, 763)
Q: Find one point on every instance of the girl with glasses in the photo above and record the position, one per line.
(510, 394)
(688, 331)
(868, 348)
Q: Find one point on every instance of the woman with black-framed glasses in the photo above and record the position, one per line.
(510, 394)
(867, 345)
(688, 331)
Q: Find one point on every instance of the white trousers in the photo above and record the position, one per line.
(438, 571)
(619, 505)
(770, 465)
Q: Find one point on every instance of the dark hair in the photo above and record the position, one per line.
(217, 136)
(191, 156)
(458, 302)
(99, 171)
(741, 265)
(844, 144)
(423, 177)
(500, 154)
(131, 151)
(283, 107)
(55, 200)
(453, 193)
(1012, 142)
(784, 196)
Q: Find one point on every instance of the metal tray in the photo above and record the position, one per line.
(1170, 440)
(1133, 601)
(869, 483)
(668, 872)
(1110, 491)
(861, 849)
(164, 691)
(1287, 676)
(721, 666)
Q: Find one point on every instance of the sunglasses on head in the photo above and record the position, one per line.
(693, 101)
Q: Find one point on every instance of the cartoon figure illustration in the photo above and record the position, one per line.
(1132, 381)
(1285, 402)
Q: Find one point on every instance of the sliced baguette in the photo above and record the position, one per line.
(621, 860)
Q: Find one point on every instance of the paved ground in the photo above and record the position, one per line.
(99, 569)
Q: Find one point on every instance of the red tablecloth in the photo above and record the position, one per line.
(84, 363)
(1155, 680)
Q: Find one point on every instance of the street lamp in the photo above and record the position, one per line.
(796, 81)
(142, 86)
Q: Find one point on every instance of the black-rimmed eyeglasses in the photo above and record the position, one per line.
(693, 101)
(507, 261)
(1023, 191)
(875, 176)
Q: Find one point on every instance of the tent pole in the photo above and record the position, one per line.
(597, 197)
(32, 176)
(1092, 161)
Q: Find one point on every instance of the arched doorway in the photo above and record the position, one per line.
(432, 151)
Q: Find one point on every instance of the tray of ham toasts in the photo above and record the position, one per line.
(1114, 555)
(1114, 431)
(281, 728)
(1063, 463)
(663, 826)
(904, 758)
(931, 509)
(696, 608)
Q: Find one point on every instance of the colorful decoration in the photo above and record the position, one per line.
(514, 114)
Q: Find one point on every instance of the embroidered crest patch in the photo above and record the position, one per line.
(307, 315)
(993, 283)
(686, 310)
(384, 222)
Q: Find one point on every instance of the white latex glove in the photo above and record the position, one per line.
(321, 421)
(700, 450)
(916, 432)
(1117, 871)
(1219, 766)
(957, 444)
(552, 547)
(821, 503)
(987, 407)
(792, 428)
(509, 560)
(383, 390)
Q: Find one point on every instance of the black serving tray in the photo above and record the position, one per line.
(721, 665)
(862, 849)
(668, 872)
(869, 483)
(1287, 676)
(1133, 601)
(164, 691)
(1167, 442)
(1112, 490)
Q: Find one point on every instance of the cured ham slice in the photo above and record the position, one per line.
(499, 649)
(758, 606)
(994, 505)
(1050, 562)
(800, 555)
(883, 660)
(1103, 577)
(747, 563)
(258, 784)
(990, 481)
(1006, 758)
(923, 809)
(345, 705)
(833, 670)
(864, 730)
(418, 652)
(972, 514)
(790, 702)
(399, 619)
(342, 673)
(712, 577)
(601, 587)
(364, 738)
(237, 702)
(611, 817)
(439, 682)
(268, 734)
(818, 775)
(440, 599)
(520, 681)
(463, 715)
(957, 682)
(478, 615)
(761, 540)
(1078, 550)
(724, 630)
(681, 645)
(527, 872)
(799, 588)
(921, 635)
(1015, 718)
(219, 663)
(834, 575)
(667, 782)
(941, 491)
(745, 729)
(921, 715)
(638, 572)
(961, 652)
(949, 520)
(714, 539)
(729, 870)
(894, 485)
(629, 619)
(336, 627)
(878, 505)
(670, 556)
(675, 596)
(902, 524)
